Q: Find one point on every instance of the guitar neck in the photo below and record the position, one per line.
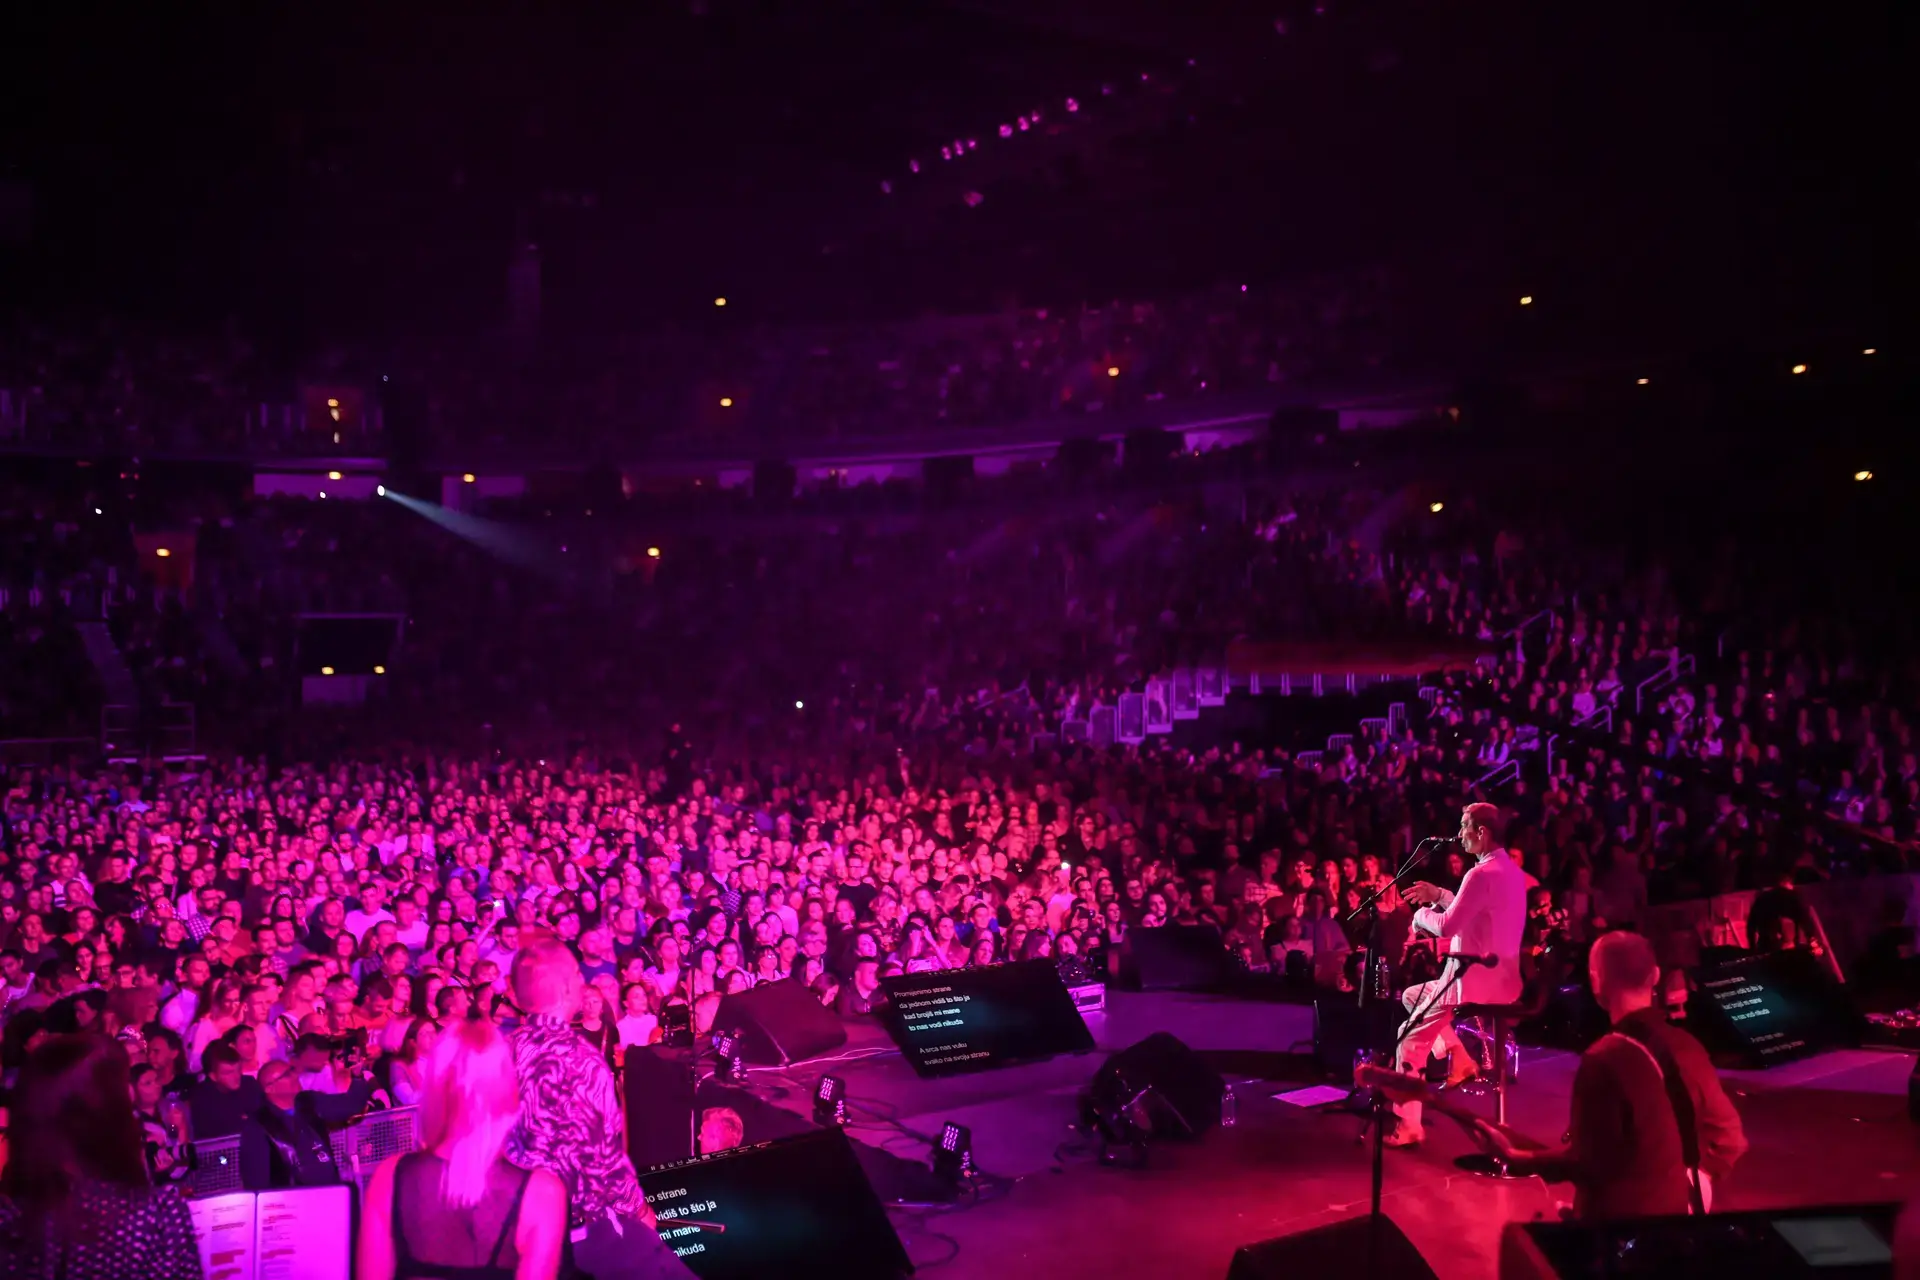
(1406, 1088)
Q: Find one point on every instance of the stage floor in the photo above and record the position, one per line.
(1829, 1129)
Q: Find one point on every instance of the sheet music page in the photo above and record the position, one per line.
(223, 1227)
(305, 1234)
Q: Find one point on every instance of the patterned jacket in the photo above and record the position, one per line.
(570, 1120)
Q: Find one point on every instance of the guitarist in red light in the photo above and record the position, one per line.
(1651, 1130)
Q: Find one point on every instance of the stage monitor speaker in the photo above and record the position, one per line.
(1163, 1088)
(1333, 1252)
(1342, 1029)
(780, 1022)
(1765, 1009)
(796, 1206)
(1780, 1244)
(1179, 957)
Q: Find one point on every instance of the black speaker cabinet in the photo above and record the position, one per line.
(779, 1022)
(1336, 1251)
(1162, 1087)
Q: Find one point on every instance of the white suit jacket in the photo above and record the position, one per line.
(1486, 916)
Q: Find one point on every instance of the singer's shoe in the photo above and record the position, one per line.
(1405, 1135)
(1462, 1069)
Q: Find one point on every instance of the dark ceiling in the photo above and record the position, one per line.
(1655, 168)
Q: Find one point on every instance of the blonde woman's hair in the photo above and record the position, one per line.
(469, 1105)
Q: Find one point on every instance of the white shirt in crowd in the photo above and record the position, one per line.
(636, 1028)
(359, 921)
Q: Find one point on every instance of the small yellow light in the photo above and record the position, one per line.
(1437, 507)
(1526, 299)
(1863, 475)
(332, 403)
(162, 552)
(466, 477)
(1799, 368)
(726, 402)
(379, 670)
(653, 553)
(1642, 381)
(1113, 371)
(1869, 351)
(326, 671)
(333, 475)
(719, 302)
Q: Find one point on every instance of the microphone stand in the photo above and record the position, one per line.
(1378, 1104)
(693, 1073)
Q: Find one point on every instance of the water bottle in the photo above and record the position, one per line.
(1227, 1106)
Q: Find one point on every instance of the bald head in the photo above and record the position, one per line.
(1624, 971)
(546, 977)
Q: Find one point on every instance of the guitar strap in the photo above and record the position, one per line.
(1684, 1116)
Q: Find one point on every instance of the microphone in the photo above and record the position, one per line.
(1467, 961)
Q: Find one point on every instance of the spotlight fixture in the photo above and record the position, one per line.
(333, 475)
(1863, 475)
(726, 402)
(326, 671)
(953, 1154)
(1799, 368)
(380, 490)
(466, 477)
(719, 302)
(830, 1101)
(798, 705)
(1869, 351)
(162, 552)
(1641, 382)
(653, 553)
(1526, 299)
(1113, 371)
(379, 670)
(1436, 507)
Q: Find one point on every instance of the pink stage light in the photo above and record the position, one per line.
(913, 166)
(1073, 104)
(1006, 131)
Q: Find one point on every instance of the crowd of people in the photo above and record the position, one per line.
(608, 754)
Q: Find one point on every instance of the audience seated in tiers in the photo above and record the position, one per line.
(803, 747)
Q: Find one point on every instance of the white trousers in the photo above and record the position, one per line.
(1425, 1034)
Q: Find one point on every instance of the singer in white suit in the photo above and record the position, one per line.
(1484, 917)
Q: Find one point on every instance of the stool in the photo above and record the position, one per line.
(1504, 1053)
(1502, 1060)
